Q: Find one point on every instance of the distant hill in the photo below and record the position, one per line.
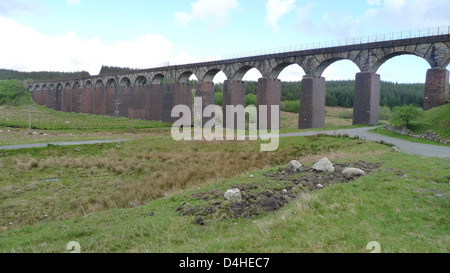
(7, 74)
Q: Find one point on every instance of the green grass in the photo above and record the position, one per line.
(395, 205)
(436, 119)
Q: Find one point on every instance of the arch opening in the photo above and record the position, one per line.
(340, 75)
(98, 84)
(44, 87)
(125, 82)
(111, 83)
(67, 86)
(140, 81)
(158, 79)
(77, 85)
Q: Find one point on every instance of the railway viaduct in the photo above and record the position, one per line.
(142, 94)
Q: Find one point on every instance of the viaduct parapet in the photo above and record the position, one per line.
(142, 94)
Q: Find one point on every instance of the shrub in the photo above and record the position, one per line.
(403, 115)
(291, 106)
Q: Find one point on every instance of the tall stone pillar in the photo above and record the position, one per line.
(436, 88)
(269, 94)
(205, 90)
(312, 102)
(137, 102)
(123, 101)
(58, 98)
(367, 98)
(66, 100)
(233, 95)
(86, 100)
(98, 94)
(154, 102)
(175, 94)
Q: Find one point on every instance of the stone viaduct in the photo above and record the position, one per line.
(141, 94)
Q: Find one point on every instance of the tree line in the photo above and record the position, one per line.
(341, 93)
(7, 74)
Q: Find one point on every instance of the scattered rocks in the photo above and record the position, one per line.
(324, 165)
(294, 166)
(233, 195)
(395, 149)
(135, 203)
(429, 135)
(250, 200)
(353, 172)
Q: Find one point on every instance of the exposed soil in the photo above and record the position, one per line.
(263, 197)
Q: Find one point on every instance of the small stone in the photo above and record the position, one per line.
(353, 172)
(284, 191)
(319, 186)
(35, 133)
(251, 176)
(78, 150)
(324, 165)
(395, 149)
(294, 166)
(233, 195)
(151, 214)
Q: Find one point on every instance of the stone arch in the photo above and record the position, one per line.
(140, 81)
(30, 88)
(184, 77)
(67, 86)
(240, 73)
(99, 83)
(51, 87)
(44, 87)
(59, 86)
(210, 74)
(37, 87)
(76, 85)
(328, 62)
(158, 79)
(125, 82)
(111, 83)
(374, 68)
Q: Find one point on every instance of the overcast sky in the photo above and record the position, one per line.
(83, 35)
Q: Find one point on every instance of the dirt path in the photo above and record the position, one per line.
(72, 143)
(412, 148)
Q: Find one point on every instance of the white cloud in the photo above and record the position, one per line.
(275, 10)
(304, 24)
(29, 50)
(374, 2)
(213, 12)
(73, 2)
(409, 14)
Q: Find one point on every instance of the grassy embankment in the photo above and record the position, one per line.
(113, 199)
(436, 119)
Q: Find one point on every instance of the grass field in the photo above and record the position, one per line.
(126, 197)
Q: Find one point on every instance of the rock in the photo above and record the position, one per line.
(251, 176)
(35, 133)
(319, 186)
(324, 165)
(294, 166)
(284, 191)
(353, 172)
(233, 195)
(395, 149)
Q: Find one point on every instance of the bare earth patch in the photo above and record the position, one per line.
(263, 197)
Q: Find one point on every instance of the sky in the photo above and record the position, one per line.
(83, 35)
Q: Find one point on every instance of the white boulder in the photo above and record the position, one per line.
(294, 166)
(353, 172)
(233, 195)
(324, 165)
